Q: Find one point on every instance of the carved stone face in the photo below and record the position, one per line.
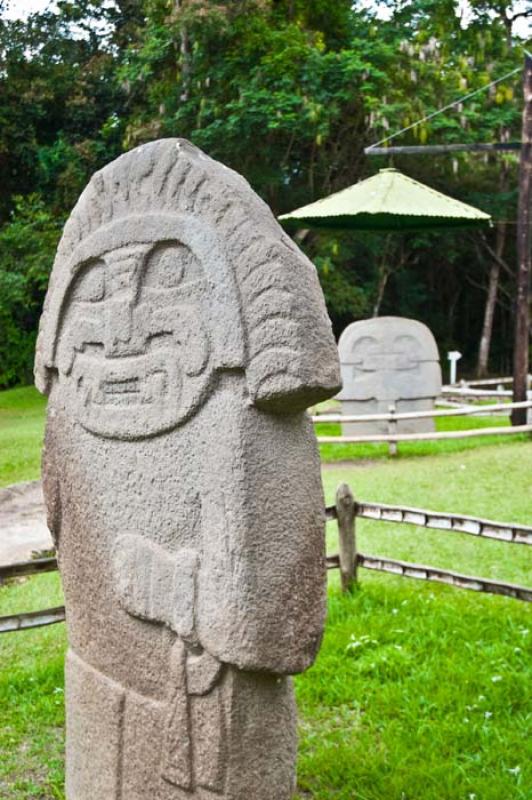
(133, 354)
(389, 359)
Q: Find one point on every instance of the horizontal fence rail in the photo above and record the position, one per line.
(32, 619)
(392, 437)
(393, 417)
(463, 391)
(408, 570)
(32, 567)
(486, 382)
(440, 520)
(425, 437)
(487, 529)
(348, 560)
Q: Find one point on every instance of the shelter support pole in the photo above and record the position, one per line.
(441, 149)
(524, 245)
(345, 515)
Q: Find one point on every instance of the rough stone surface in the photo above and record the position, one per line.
(385, 361)
(183, 337)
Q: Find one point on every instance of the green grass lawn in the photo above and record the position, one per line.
(21, 432)
(420, 691)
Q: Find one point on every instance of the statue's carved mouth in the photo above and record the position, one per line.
(146, 380)
(143, 390)
(128, 396)
(121, 388)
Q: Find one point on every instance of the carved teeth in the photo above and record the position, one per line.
(102, 389)
(125, 386)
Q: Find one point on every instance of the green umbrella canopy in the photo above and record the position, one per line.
(388, 201)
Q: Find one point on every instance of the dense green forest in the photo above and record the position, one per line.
(288, 92)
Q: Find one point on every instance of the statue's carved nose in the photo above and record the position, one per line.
(121, 335)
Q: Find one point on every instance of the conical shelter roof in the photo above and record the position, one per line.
(387, 201)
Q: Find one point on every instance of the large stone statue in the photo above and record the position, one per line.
(183, 337)
(388, 361)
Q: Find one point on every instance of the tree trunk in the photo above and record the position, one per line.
(383, 280)
(524, 243)
(491, 301)
(184, 53)
(185, 65)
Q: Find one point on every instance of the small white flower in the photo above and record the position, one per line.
(488, 714)
(496, 678)
(355, 644)
(515, 770)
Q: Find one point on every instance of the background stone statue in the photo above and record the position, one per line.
(183, 337)
(388, 361)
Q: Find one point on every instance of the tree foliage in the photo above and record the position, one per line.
(288, 92)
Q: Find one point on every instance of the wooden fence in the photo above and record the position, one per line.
(487, 382)
(348, 559)
(466, 390)
(474, 388)
(392, 418)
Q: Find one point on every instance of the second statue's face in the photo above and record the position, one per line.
(389, 367)
(133, 355)
(389, 359)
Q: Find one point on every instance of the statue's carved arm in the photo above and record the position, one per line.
(159, 586)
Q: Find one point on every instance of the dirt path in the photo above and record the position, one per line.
(22, 522)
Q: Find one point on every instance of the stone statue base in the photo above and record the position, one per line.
(188, 747)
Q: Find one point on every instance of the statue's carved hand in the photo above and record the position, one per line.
(156, 585)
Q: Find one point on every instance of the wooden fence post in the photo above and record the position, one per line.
(345, 515)
(392, 429)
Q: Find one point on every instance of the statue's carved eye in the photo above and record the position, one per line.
(90, 283)
(409, 346)
(363, 347)
(406, 342)
(170, 264)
